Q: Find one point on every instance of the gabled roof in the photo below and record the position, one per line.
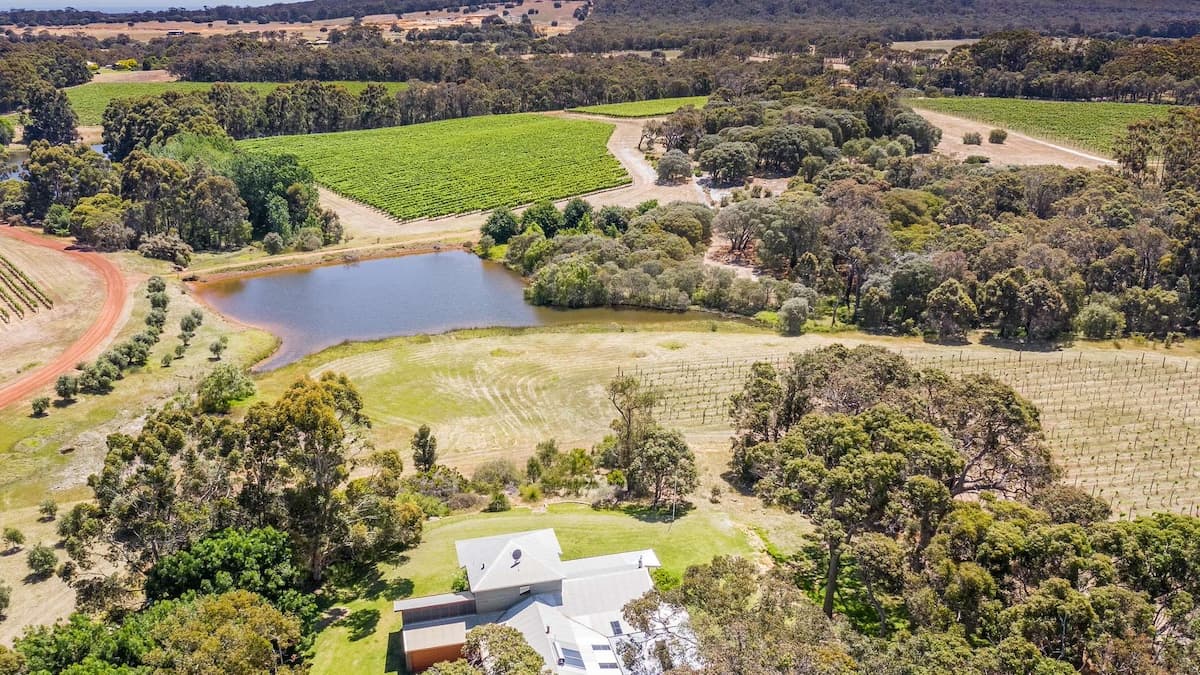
(511, 560)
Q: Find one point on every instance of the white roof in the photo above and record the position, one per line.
(603, 564)
(510, 560)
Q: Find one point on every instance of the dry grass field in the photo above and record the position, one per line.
(1121, 422)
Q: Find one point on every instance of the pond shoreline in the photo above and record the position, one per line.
(300, 261)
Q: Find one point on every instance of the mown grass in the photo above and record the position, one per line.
(651, 108)
(89, 100)
(459, 166)
(366, 639)
(1088, 125)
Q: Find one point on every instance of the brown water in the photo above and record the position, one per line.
(311, 309)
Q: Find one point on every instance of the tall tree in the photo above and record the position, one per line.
(50, 117)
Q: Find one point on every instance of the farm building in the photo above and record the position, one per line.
(570, 611)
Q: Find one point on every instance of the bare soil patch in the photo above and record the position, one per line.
(1019, 149)
(133, 76)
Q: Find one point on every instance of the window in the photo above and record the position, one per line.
(572, 657)
(602, 648)
(616, 627)
(609, 666)
(524, 590)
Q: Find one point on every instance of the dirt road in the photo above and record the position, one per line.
(96, 336)
(1018, 149)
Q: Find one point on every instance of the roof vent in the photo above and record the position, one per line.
(516, 554)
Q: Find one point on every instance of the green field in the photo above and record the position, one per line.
(366, 640)
(458, 166)
(658, 106)
(90, 100)
(1087, 125)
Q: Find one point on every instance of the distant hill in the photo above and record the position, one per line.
(1174, 18)
(314, 10)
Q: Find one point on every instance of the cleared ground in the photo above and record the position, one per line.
(77, 292)
(34, 600)
(89, 100)
(651, 108)
(1123, 423)
(1090, 126)
(458, 166)
(1019, 149)
(366, 638)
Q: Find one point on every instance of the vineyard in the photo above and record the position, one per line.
(660, 106)
(1088, 125)
(19, 295)
(458, 166)
(1121, 425)
(90, 100)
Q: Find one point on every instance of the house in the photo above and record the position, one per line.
(570, 611)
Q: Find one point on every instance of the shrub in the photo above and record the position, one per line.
(793, 314)
(674, 166)
(273, 243)
(997, 136)
(976, 159)
(155, 285)
(159, 300)
(531, 492)
(972, 138)
(41, 561)
(498, 503)
(48, 509)
(13, 538)
(167, 247)
(224, 385)
(496, 474)
(309, 239)
(5, 598)
(1098, 322)
(40, 405)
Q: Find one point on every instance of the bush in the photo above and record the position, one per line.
(1098, 322)
(273, 243)
(48, 509)
(972, 138)
(41, 561)
(155, 285)
(531, 492)
(167, 247)
(224, 385)
(40, 405)
(976, 159)
(309, 239)
(5, 598)
(498, 503)
(501, 226)
(496, 474)
(997, 136)
(674, 166)
(793, 314)
(13, 538)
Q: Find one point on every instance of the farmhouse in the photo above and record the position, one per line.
(568, 610)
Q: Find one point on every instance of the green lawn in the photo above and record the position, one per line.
(1088, 125)
(90, 100)
(458, 166)
(658, 106)
(366, 639)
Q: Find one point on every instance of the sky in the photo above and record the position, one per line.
(125, 5)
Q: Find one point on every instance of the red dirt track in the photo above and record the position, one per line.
(110, 313)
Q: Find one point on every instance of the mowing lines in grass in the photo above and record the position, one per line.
(1124, 426)
(1088, 125)
(651, 108)
(89, 100)
(458, 166)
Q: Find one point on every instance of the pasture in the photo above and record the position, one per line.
(651, 108)
(1086, 125)
(366, 639)
(1123, 424)
(461, 165)
(89, 100)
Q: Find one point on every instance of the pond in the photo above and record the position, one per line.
(314, 308)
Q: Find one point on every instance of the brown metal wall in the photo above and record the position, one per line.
(423, 658)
